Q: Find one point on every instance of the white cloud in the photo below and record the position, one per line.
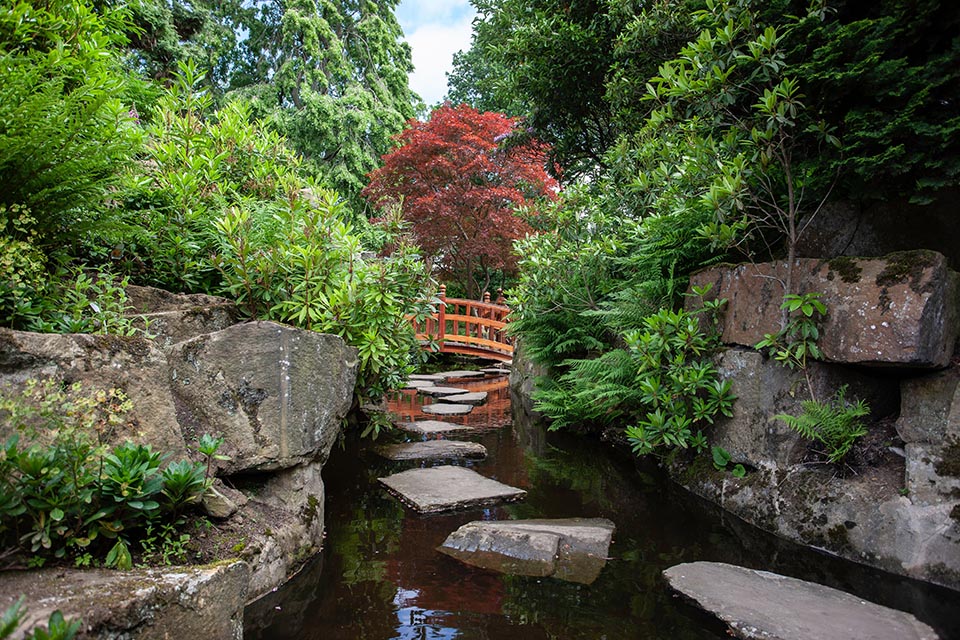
(435, 30)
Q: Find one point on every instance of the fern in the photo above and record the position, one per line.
(835, 424)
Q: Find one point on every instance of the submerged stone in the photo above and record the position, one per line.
(571, 549)
(763, 605)
(447, 488)
(476, 398)
(433, 450)
(444, 409)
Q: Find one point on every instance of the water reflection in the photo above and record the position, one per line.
(381, 577)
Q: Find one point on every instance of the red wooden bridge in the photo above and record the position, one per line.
(469, 327)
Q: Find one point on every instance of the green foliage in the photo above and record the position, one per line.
(721, 460)
(208, 447)
(835, 424)
(662, 381)
(197, 164)
(302, 264)
(797, 341)
(58, 628)
(546, 60)
(887, 74)
(63, 129)
(333, 77)
(63, 492)
(11, 617)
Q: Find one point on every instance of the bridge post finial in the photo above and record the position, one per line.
(443, 291)
(486, 296)
(500, 299)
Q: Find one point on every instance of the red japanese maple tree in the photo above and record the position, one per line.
(461, 176)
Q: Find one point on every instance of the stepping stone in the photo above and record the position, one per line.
(571, 549)
(418, 384)
(759, 604)
(432, 377)
(432, 427)
(476, 398)
(496, 371)
(442, 391)
(450, 375)
(444, 409)
(446, 488)
(433, 450)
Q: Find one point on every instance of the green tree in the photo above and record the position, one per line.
(334, 76)
(63, 128)
(549, 58)
(886, 74)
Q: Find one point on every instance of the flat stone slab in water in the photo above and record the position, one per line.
(572, 549)
(433, 450)
(433, 427)
(762, 605)
(442, 391)
(418, 384)
(476, 398)
(446, 488)
(444, 409)
(496, 371)
(450, 375)
(432, 377)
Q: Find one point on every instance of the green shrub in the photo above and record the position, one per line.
(196, 164)
(64, 493)
(302, 264)
(836, 424)
(63, 129)
(662, 382)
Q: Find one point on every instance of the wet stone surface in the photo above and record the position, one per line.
(447, 488)
(433, 450)
(433, 427)
(762, 605)
(571, 549)
(431, 377)
(451, 375)
(475, 398)
(445, 409)
(442, 391)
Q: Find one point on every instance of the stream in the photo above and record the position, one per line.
(380, 575)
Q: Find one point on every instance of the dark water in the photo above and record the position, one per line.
(381, 577)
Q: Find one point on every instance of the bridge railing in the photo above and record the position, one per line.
(471, 327)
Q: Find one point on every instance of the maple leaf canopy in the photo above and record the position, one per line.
(461, 176)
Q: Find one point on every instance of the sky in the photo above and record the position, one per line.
(435, 30)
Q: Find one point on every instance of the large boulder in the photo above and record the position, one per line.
(765, 388)
(133, 365)
(289, 505)
(146, 604)
(898, 310)
(863, 517)
(174, 317)
(275, 393)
